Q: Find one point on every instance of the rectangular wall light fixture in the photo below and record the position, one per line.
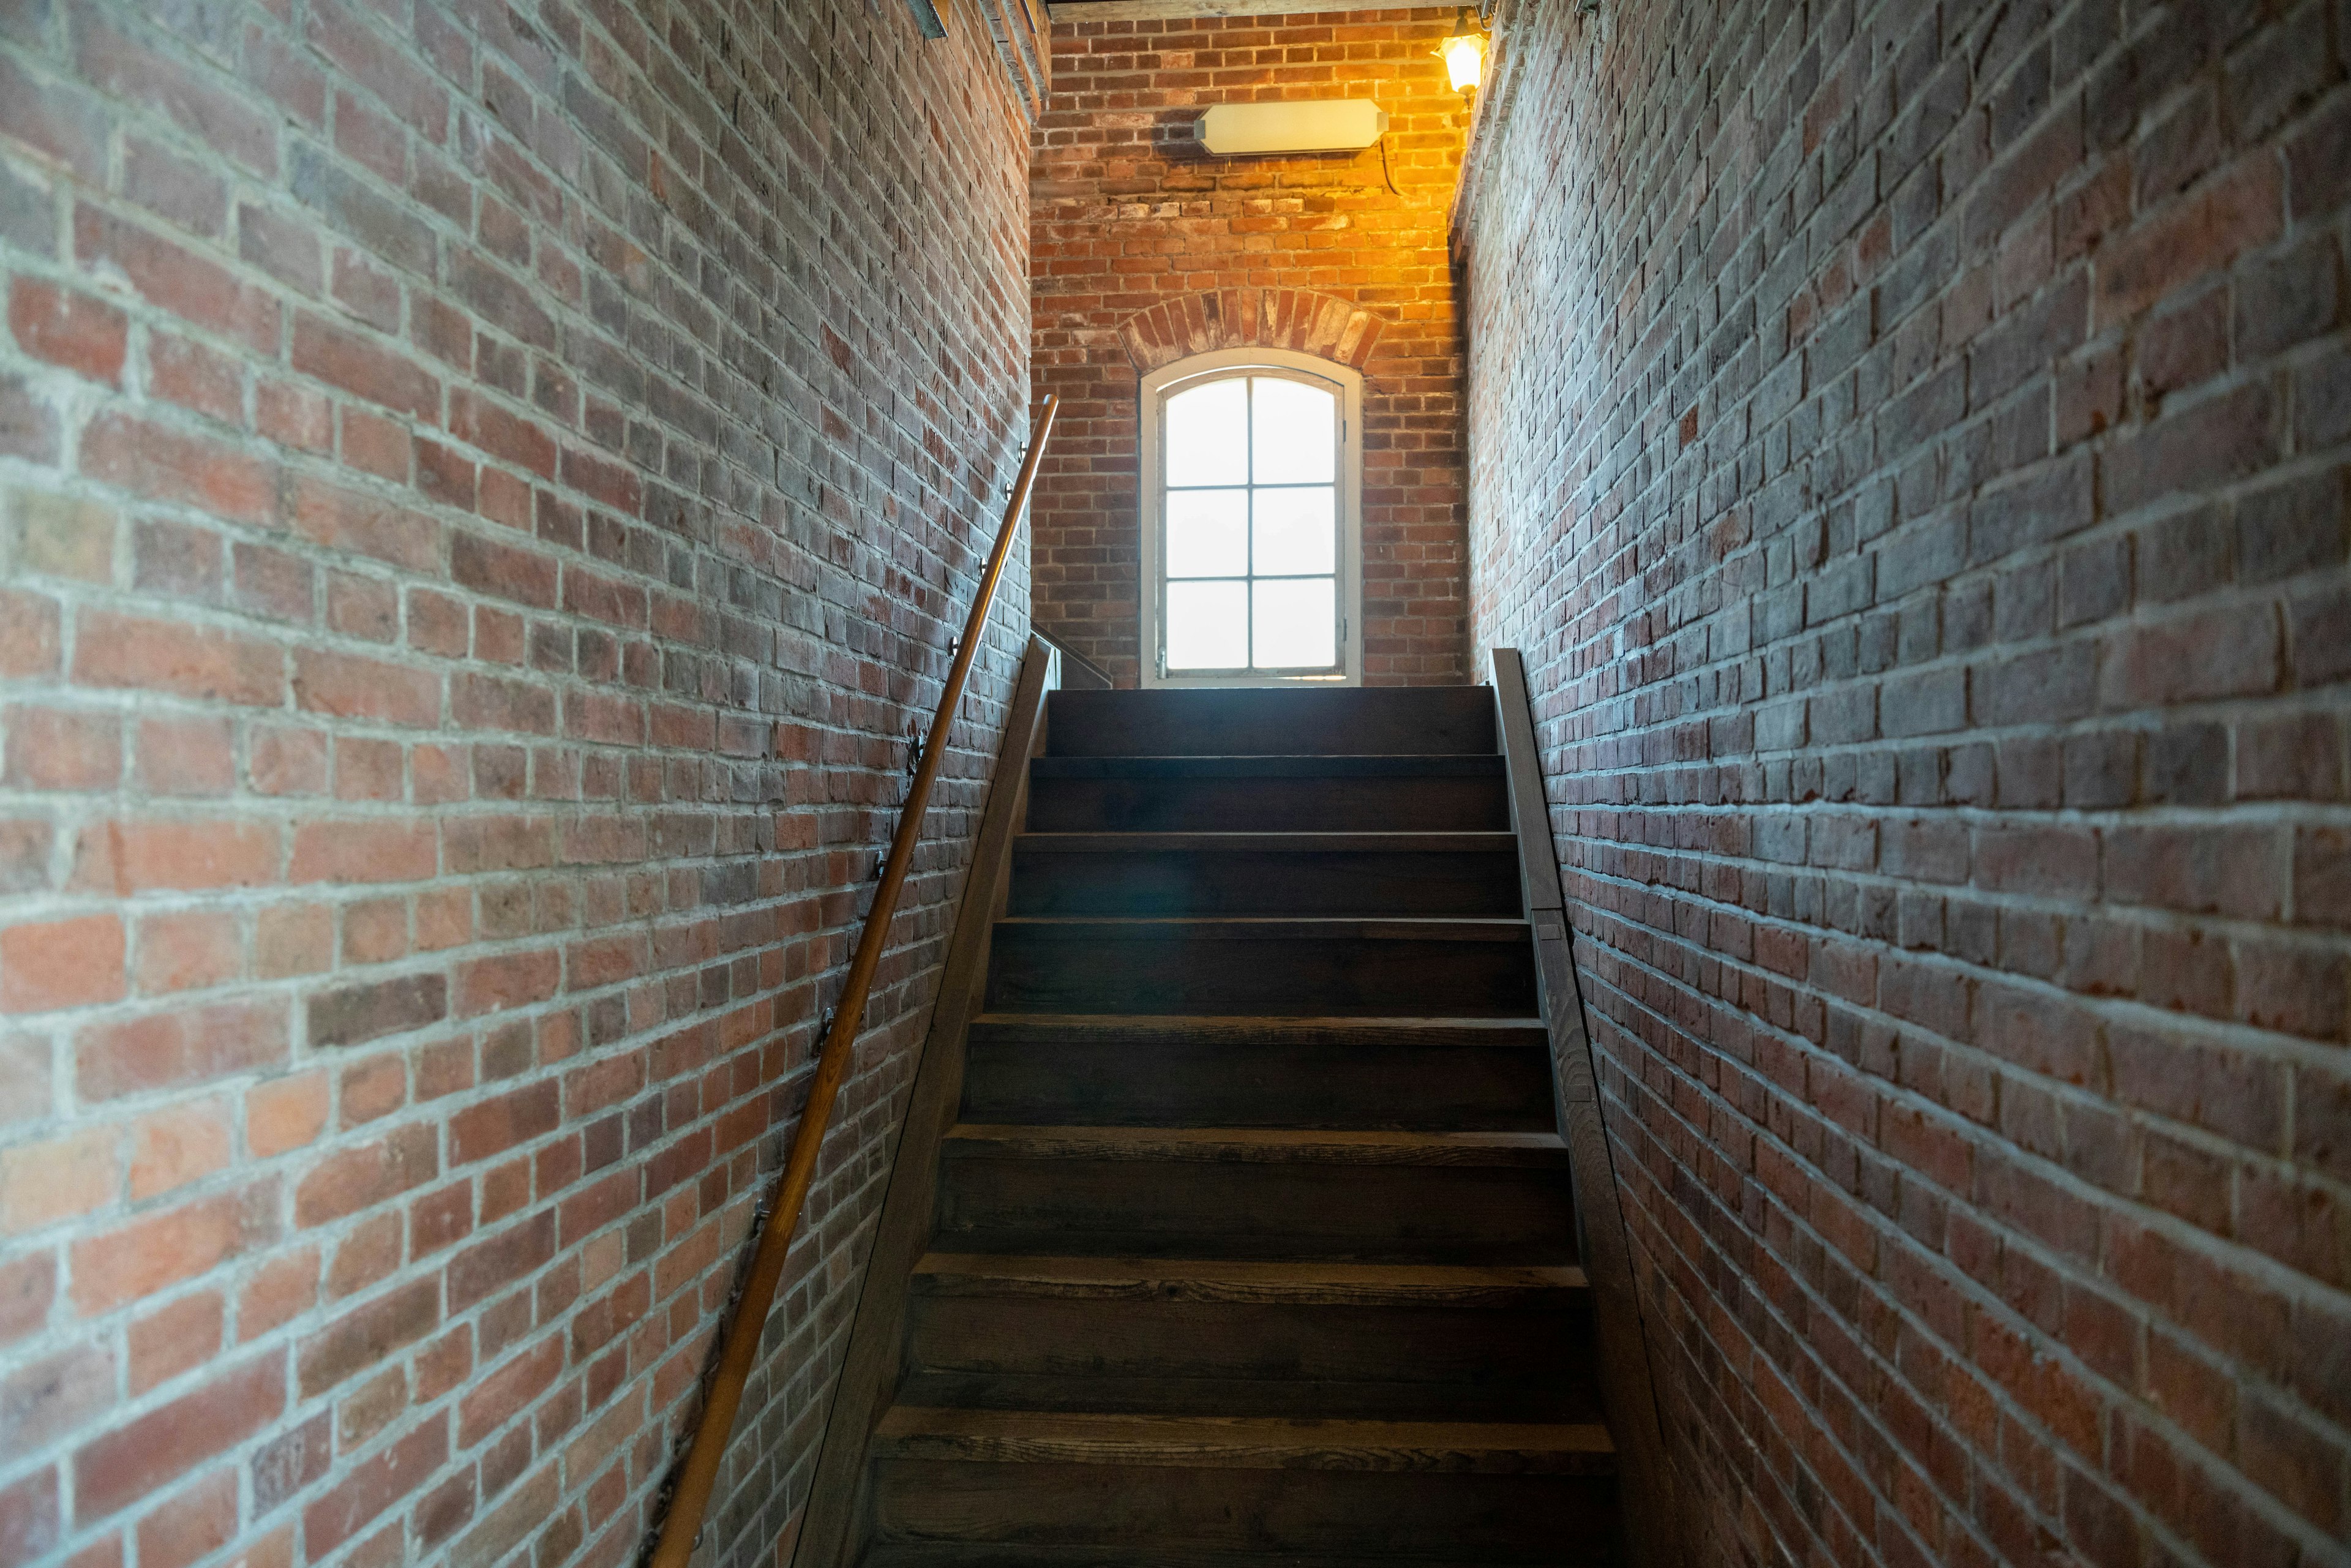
(1342, 125)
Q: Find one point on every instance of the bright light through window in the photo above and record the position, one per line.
(1251, 527)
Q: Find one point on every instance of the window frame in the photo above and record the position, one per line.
(1347, 384)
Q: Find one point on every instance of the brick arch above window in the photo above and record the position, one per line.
(1298, 319)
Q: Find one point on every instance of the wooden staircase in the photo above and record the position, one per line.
(1242, 1230)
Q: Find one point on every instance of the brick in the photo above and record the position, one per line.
(516, 1519)
(514, 979)
(350, 687)
(374, 1485)
(497, 1397)
(174, 560)
(358, 365)
(508, 571)
(50, 1398)
(194, 1523)
(285, 1113)
(65, 963)
(511, 1254)
(188, 1045)
(175, 1338)
(363, 1336)
(28, 634)
(28, 1286)
(2195, 1082)
(172, 1147)
(2223, 437)
(494, 1126)
(2235, 870)
(65, 535)
(353, 1014)
(122, 651)
(29, 1516)
(193, 757)
(294, 416)
(292, 939)
(348, 519)
(280, 1289)
(54, 118)
(59, 1178)
(363, 850)
(164, 463)
(358, 1176)
(214, 113)
(69, 328)
(49, 749)
(161, 1247)
(118, 1468)
(2239, 211)
(24, 854)
(273, 583)
(367, 607)
(173, 278)
(181, 854)
(2221, 652)
(28, 424)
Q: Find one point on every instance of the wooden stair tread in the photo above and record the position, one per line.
(1461, 841)
(1321, 1399)
(1261, 1145)
(1265, 928)
(1244, 1281)
(1392, 765)
(1242, 1442)
(1149, 1029)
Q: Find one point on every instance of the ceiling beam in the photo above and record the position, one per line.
(1149, 10)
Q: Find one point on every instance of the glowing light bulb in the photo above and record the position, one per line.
(1465, 59)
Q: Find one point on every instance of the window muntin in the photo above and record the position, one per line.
(1250, 526)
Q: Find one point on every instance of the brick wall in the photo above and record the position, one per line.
(1910, 442)
(1146, 250)
(485, 490)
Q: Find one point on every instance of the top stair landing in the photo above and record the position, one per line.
(1289, 721)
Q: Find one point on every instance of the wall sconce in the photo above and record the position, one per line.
(1464, 53)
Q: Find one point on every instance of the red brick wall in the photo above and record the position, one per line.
(485, 490)
(1146, 250)
(1910, 444)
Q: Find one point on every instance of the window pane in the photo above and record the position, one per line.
(1208, 625)
(1207, 533)
(1207, 434)
(1297, 623)
(1296, 532)
(1297, 429)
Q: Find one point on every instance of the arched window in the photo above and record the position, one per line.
(1251, 548)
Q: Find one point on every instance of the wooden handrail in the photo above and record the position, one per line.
(740, 1348)
(1654, 1526)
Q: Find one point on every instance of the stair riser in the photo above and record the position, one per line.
(1563, 1521)
(1442, 803)
(1447, 1354)
(1533, 1403)
(1216, 1083)
(1220, 883)
(1237, 1209)
(1292, 976)
(1342, 723)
